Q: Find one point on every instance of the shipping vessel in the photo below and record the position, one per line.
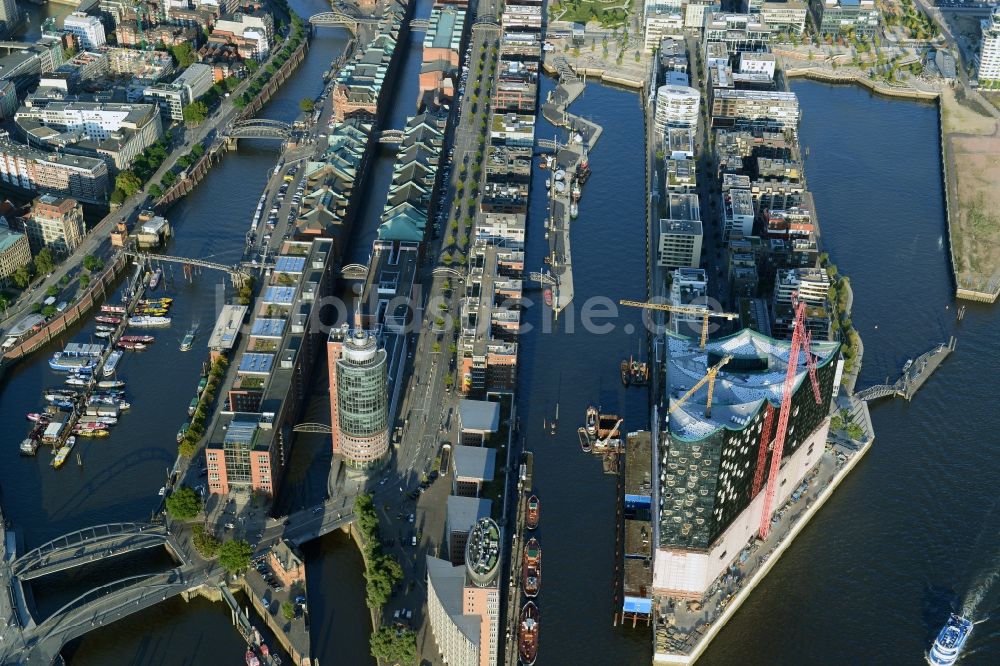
(188, 340)
(534, 506)
(527, 634)
(949, 643)
(531, 568)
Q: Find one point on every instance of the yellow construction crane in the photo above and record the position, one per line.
(704, 313)
(710, 378)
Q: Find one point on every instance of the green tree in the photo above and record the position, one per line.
(44, 262)
(288, 610)
(854, 431)
(84, 281)
(184, 503)
(195, 113)
(52, 291)
(92, 263)
(836, 423)
(394, 648)
(206, 544)
(307, 105)
(127, 182)
(48, 310)
(235, 555)
(117, 197)
(21, 277)
(155, 191)
(184, 54)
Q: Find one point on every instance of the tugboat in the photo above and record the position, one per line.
(949, 643)
(626, 371)
(531, 520)
(531, 568)
(527, 634)
(592, 413)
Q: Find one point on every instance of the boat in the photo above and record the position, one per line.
(560, 186)
(574, 210)
(75, 380)
(112, 362)
(575, 191)
(547, 296)
(626, 370)
(144, 339)
(548, 183)
(113, 309)
(559, 175)
(137, 346)
(183, 431)
(950, 641)
(202, 383)
(64, 452)
(583, 169)
(250, 657)
(639, 372)
(29, 447)
(103, 335)
(592, 413)
(148, 321)
(110, 384)
(67, 363)
(87, 432)
(527, 634)
(534, 506)
(193, 405)
(162, 491)
(93, 425)
(154, 279)
(106, 420)
(188, 340)
(543, 163)
(163, 300)
(57, 394)
(531, 568)
(37, 417)
(108, 319)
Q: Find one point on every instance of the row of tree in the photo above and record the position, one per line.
(196, 429)
(382, 573)
(279, 58)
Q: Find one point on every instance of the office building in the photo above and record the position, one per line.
(737, 213)
(8, 99)
(810, 285)
(359, 397)
(359, 83)
(755, 108)
(462, 514)
(146, 65)
(245, 459)
(463, 602)
(689, 288)
(739, 32)
(710, 507)
(661, 25)
(10, 16)
(697, 11)
(989, 51)
(837, 16)
(680, 243)
(82, 178)
(172, 97)
(55, 223)
(15, 251)
(784, 15)
(116, 132)
(88, 30)
(252, 31)
(676, 106)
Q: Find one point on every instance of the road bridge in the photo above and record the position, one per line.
(88, 545)
(354, 271)
(258, 128)
(390, 136)
(238, 272)
(338, 18)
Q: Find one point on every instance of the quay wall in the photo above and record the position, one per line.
(602, 74)
(99, 287)
(823, 76)
(744, 593)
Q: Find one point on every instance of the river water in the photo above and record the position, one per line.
(912, 533)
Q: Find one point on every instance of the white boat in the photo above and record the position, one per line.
(148, 321)
(29, 447)
(950, 641)
(112, 362)
(162, 491)
(110, 384)
(74, 380)
(559, 175)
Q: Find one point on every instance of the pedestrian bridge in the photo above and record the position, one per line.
(390, 136)
(260, 128)
(339, 18)
(88, 545)
(354, 271)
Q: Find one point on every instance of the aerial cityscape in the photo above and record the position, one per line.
(321, 320)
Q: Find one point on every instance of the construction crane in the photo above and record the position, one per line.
(691, 310)
(710, 378)
(603, 442)
(801, 339)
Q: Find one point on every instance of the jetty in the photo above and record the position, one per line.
(915, 373)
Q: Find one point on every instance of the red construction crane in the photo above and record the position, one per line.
(800, 340)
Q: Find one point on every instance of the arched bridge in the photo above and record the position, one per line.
(390, 136)
(260, 128)
(340, 18)
(88, 545)
(419, 24)
(354, 271)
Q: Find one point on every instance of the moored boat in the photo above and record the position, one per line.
(527, 634)
(547, 296)
(531, 568)
(64, 452)
(144, 339)
(113, 309)
(137, 346)
(592, 414)
(574, 211)
(154, 279)
(148, 321)
(950, 641)
(110, 384)
(74, 380)
(103, 335)
(66, 363)
(193, 405)
(108, 319)
(112, 362)
(626, 372)
(182, 431)
(534, 506)
(29, 447)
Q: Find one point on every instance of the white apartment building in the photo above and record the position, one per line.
(676, 106)
(737, 213)
(257, 27)
(87, 29)
(660, 25)
(989, 52)
(697, 10)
